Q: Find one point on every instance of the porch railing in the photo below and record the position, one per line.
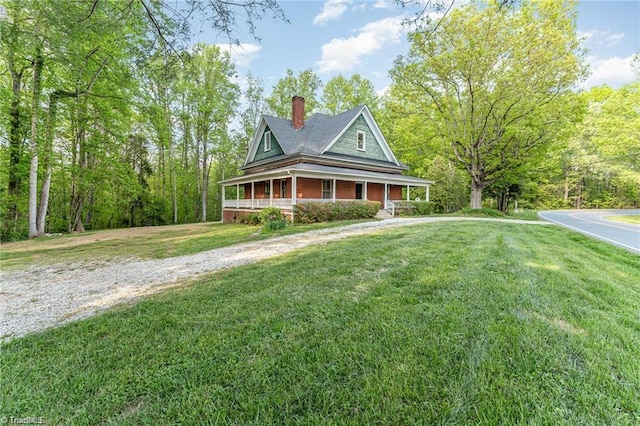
(257, 203)
(390, 206)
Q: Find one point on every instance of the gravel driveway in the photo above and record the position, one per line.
(47, 296)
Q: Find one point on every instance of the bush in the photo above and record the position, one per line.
(340, 210)
(251, 219)
(414, 208)
(483, 212)
(271, 219)
(274, 225)
(271, 214)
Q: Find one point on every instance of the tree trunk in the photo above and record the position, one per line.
(33, 168)
(476, 194)
(46, 184)
(44, 201)
(174, 195)
(205, 185)
(566, 187)
(15, 136)
(503, 201)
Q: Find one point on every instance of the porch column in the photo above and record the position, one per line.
(408, 198)
(366, 198)
(294, 190)
(224, 196)
(271, 193)
(386, 189)
(334, 190)
(253, 192)
(427, 192)
(237, 195)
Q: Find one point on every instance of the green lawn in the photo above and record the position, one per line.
(447, 323)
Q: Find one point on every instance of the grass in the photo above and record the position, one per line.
(627, 218)
(144, 243)
(447, 323)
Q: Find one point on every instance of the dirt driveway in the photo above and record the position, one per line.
(41, 297)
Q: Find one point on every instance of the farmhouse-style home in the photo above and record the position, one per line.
(322, 159)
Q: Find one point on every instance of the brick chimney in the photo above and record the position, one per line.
(297, 112)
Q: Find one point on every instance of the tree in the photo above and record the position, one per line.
(306, 84)
(254, 99)
(341, 94)
(213, 98)
(496, 84)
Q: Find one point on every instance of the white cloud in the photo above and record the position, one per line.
(601, 38)
(331, 10)
(383, 4)
(344, 54)
(243, 54)
(613, 71)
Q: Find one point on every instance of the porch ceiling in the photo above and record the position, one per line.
(318, 171)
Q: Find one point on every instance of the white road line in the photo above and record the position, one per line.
(617, 243)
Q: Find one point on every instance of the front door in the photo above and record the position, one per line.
(358, 191)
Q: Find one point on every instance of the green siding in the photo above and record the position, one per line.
(347, 144)
(275, 148)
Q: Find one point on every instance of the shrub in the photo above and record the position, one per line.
(271, 219)
(251, 219)
(340, 210)
(414, 208)
(271, 214)
(483, 212)
(274, 225)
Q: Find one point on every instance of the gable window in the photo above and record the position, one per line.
(267, 141)
(327, 192)
(362, 140)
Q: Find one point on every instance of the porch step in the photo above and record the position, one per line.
(384, 214)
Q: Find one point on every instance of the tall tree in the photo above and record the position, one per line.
(341, 94)
(495, 82)
(305, 84)
(214, 98)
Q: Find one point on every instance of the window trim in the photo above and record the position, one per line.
(364, 140)
(267, 141)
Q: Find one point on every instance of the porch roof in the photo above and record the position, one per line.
(318, 171)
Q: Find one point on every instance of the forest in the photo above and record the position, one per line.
(110, 118)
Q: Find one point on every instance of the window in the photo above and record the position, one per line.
(362, 139)
(283, 189)
(267, 188)
(267, 141)
(327, 192)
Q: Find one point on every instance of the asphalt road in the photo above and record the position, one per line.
(594, 224)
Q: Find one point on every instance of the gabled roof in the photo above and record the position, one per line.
(318, 134)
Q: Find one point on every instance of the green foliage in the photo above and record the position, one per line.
(414, 208)
(493, 85)
(251, 219)
(341, 94)
(482, 212)
(340, 210)
(305, 84)
(271, 219)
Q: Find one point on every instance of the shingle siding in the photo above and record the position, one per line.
(347, 144)
(275, 148)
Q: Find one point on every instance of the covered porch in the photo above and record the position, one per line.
(303, 183)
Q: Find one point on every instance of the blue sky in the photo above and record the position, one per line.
(354, 36)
